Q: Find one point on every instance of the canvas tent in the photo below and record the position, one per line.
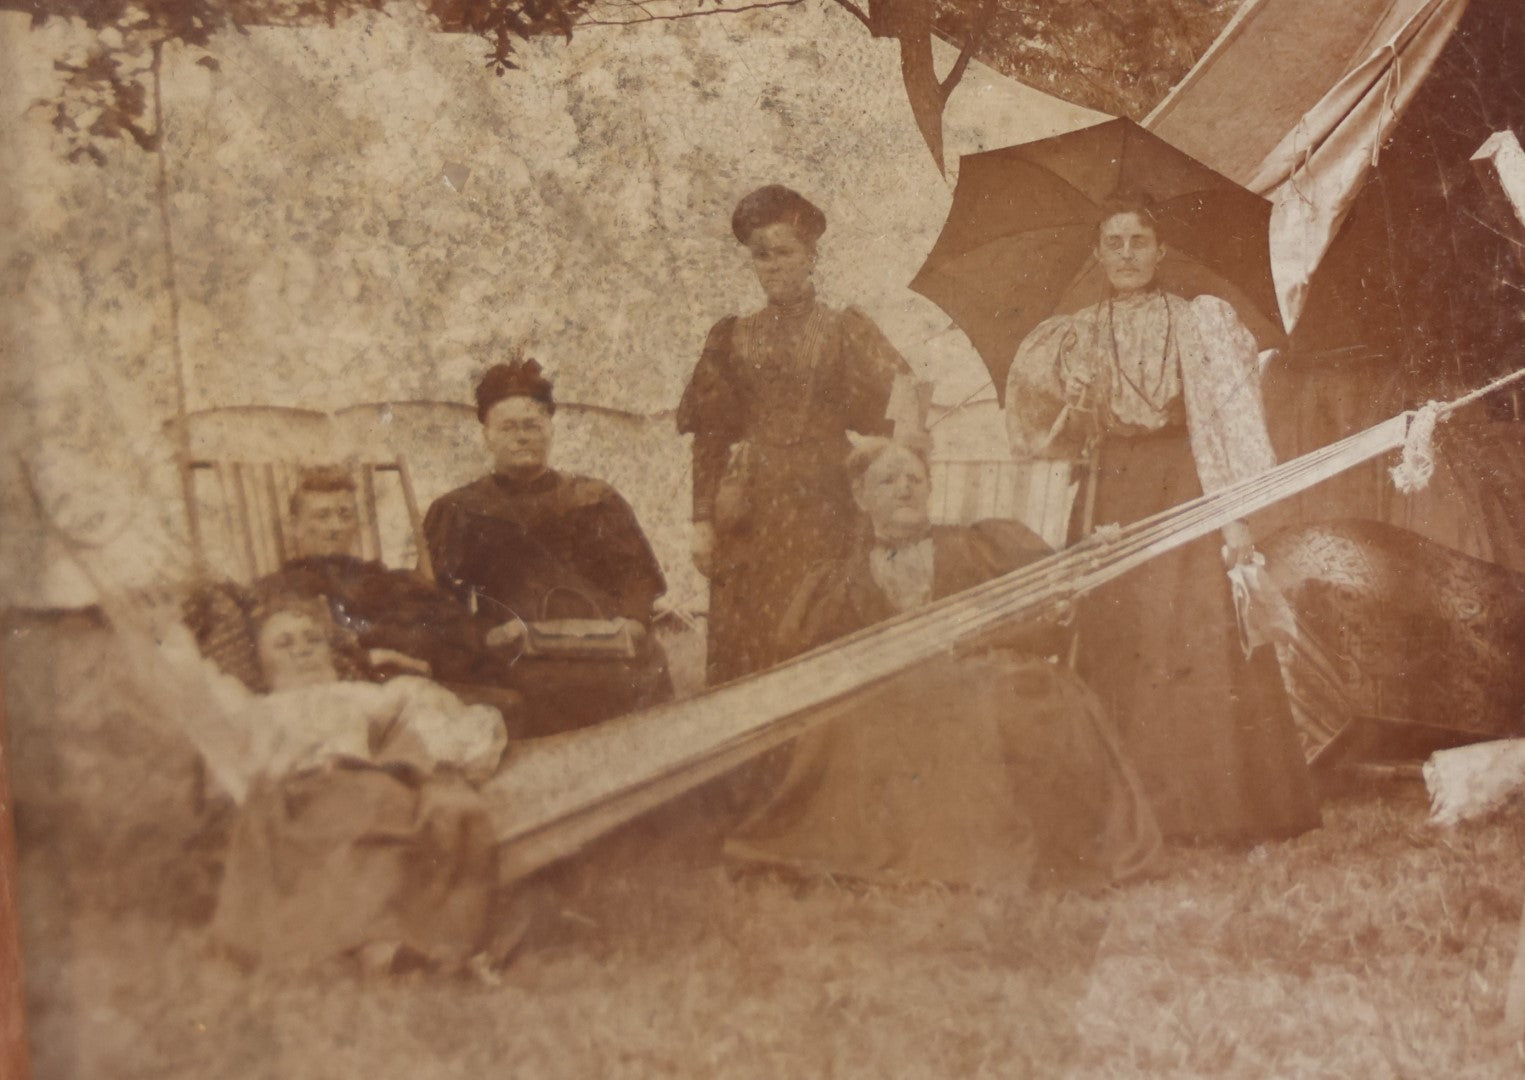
(1358, 121)
(1293, 101)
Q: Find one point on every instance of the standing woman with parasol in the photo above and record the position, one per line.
(769, 405)
(1164, 393)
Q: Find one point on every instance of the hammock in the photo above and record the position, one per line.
(554, 795)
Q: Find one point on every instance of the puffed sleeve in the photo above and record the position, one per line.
(713, 412)
(625, 566)
(870, 366)
(996, 547)
(1034, 394)
(204, 703)
(1220, 378)
(444, 534)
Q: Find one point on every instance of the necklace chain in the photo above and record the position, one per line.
(1117, 364)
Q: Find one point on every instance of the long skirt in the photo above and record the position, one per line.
(1209, 730)
(995, 770)
(799, 514)
(324, 862)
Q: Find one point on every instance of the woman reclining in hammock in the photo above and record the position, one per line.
(359, 829)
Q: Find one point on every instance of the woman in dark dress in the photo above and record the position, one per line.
(769, 405)
(527, 544)
(1170, 389)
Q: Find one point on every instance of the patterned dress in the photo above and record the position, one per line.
(770, 404)
(1171, 388)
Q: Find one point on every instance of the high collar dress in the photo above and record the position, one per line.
(1171, 388)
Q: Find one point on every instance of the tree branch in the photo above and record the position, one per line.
(976, 39)
(856, 12)
(690, 14)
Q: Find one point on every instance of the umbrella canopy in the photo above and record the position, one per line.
(1019, 243)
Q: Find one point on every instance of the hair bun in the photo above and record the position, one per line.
(521, 378)
(777, 205)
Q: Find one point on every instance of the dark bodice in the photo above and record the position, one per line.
(790, 383)
(387, 609)
(842, 597)
(553, 546)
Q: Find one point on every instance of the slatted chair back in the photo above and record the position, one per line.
(245, 463)
(1038, 494)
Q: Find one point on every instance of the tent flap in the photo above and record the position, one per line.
(1304, 126)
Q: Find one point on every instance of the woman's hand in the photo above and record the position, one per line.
(703, 547)
(1075, 385)
(509, 634)
(446, 798)
(635, 628)
(383, 658)
(1238, 544)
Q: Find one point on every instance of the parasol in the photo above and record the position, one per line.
(1019, 241)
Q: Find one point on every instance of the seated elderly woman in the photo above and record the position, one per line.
(557, 562)
(359, 829)
(988, 768)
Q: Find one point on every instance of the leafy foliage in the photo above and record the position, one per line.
(104, 94)
(1119, 56)
(503, 22)
(105, 91)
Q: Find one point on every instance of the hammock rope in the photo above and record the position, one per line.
(570, 792)
(554, 795)
(575, 791)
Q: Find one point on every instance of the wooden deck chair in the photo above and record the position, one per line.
(1038, 494)
(245, 462)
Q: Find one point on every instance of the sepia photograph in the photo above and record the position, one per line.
(762, 538)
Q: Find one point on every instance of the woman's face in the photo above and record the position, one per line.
(326, 523)
(893, 492)
(1129, 251)
(294, 651)
(518, 433)
(782, 260)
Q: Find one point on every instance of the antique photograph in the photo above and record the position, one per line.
(762, 538)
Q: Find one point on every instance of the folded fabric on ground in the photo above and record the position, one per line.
(1471, 782)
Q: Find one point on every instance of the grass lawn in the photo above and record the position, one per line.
(1377, 946)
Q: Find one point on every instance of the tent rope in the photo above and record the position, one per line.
(1413, 473)
(1418, 465)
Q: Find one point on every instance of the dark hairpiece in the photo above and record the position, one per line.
(870, 450)
(775, 205)
(522, 378)
(1130, 201)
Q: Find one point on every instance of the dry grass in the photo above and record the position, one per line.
(1375, 947)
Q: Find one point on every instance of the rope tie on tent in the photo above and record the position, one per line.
(1418, 465)
(1413, 473)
